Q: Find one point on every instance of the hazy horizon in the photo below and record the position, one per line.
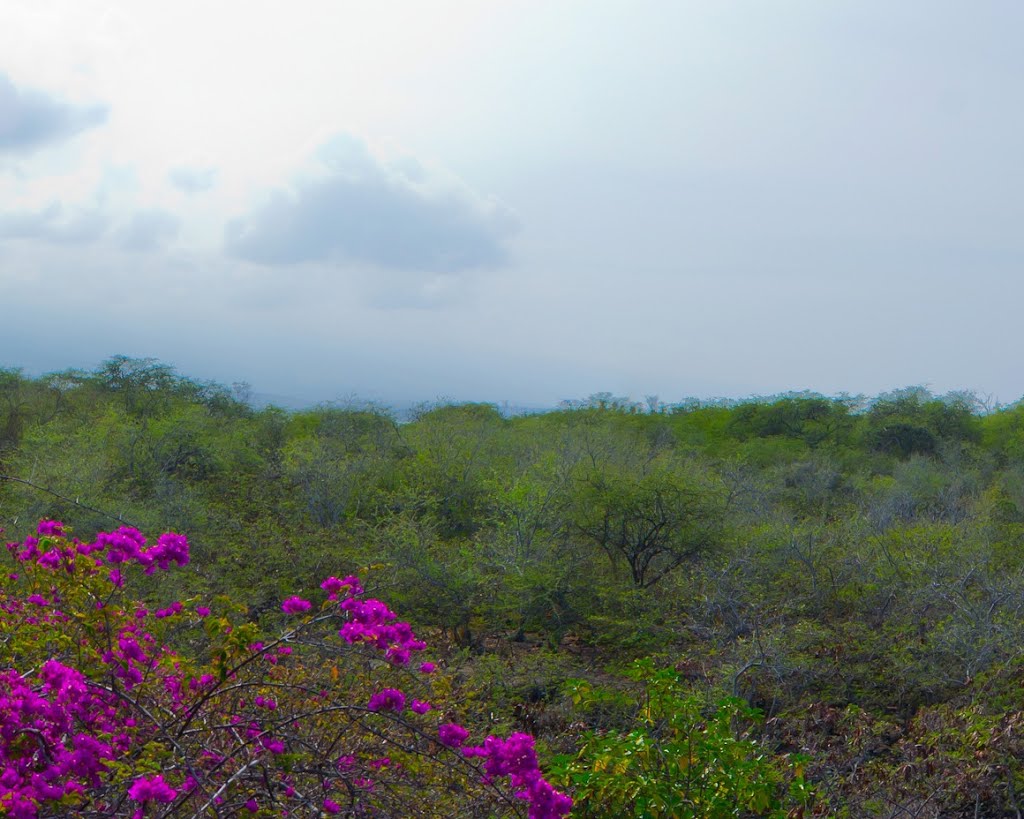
(402, 404)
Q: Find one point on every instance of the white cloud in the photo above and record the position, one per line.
(357, 207)
(31, 119)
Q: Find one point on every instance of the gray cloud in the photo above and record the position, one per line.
(395, 215)
(54, 225)
(193, 180)
(148, 230)
(31, 119)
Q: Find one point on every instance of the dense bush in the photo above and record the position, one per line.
(674, 757)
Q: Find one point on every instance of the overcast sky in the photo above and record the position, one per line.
(522, 201)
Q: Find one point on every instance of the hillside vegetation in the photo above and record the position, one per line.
(790, 606)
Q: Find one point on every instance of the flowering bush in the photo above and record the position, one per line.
(100, 713)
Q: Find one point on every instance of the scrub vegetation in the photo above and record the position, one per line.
(790, 606)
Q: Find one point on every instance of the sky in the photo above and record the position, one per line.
(517, 201)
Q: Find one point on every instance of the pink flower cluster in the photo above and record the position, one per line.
(516, 758)
(295, 605)
(125, 545)
(390, 699)
(56, 737)
(333, 586)
(60, 731)
(452, 734)
(372, 622)
(152, 788)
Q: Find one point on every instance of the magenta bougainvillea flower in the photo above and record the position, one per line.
(295, 605)
(390, 699)
(153, 788)
(452, 734)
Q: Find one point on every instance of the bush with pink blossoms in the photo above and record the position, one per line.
(101, 715)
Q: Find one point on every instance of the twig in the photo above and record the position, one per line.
(13, 479)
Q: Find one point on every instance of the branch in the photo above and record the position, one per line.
(65, 498)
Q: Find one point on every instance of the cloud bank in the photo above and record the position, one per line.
(55, 225)
(359, 208)
(31, 119)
